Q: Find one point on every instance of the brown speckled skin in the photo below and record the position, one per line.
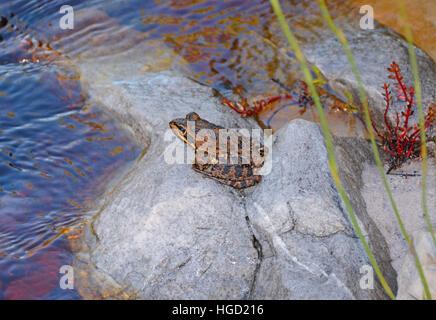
(238, 176)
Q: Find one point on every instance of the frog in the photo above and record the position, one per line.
(237, 175)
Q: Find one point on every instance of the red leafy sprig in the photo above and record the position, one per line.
(401, 141)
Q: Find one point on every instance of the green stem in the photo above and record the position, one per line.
(414, 64)
(363, 97)
(324, 125)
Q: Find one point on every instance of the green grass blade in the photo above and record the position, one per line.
(418, 94)
(324, 125)
(339, 34)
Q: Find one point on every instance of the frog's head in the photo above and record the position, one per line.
(180, 127)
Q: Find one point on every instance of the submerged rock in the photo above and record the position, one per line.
(374, 51)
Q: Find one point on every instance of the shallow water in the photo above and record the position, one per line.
(58, 151)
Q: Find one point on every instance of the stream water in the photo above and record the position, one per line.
(57, 153)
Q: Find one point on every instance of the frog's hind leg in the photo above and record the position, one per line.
(208, 173)
(238, 184)
(235, 182)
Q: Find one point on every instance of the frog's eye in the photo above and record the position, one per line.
(182, 129)
(192, 116)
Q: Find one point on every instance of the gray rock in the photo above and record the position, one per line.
(309, 250)
(409, 281)
(407, 193)
(354, 156)
(164, 232)
(374, 50)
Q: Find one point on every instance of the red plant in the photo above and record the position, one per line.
(246, 110)
(402, 141)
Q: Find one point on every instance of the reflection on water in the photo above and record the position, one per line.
(233, 47)
(57, 152)
(52, 147)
